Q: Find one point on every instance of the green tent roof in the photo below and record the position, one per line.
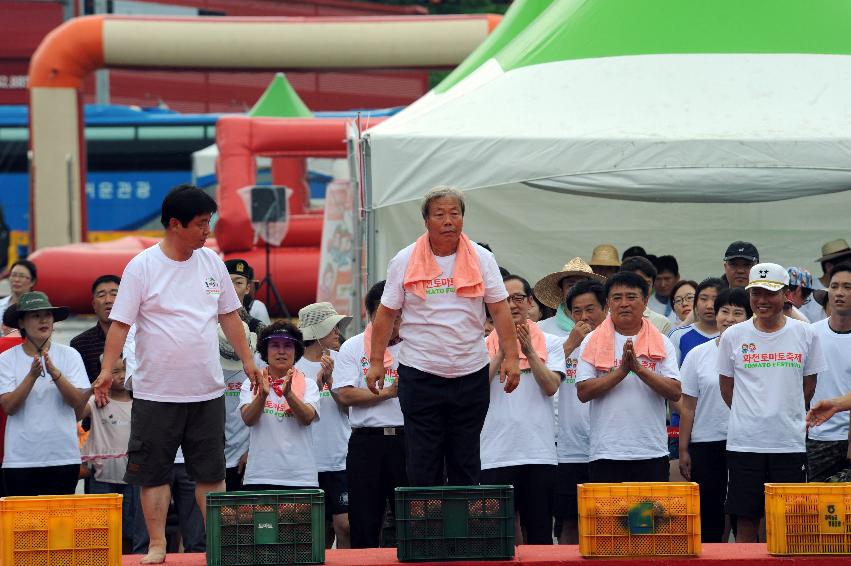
(518, 17)
(280, 100)
(580, 29)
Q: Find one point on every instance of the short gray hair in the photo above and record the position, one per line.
(442, 191)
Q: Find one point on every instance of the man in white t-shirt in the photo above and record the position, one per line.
(828, 456)
(586, 304)
(767, 369)
(375, 464)
(175, 293)
(320, 326)
(441, 285)
(552, 290)
(627, 370)
(518, 439)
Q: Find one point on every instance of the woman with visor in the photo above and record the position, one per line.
(279, 415)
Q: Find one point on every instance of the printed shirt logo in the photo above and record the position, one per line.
(440, 286)
(278, 410)
(389, 376)
(570, 365)
(211, 286)
(748, 348)
(649, 364)
(233, 389)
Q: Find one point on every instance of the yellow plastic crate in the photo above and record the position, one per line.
(61, 530)
(639, 519)
(808, 518)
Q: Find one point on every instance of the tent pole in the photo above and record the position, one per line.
(371, 232)
(357, 229)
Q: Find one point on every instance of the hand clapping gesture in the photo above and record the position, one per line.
(327, 371)
(524, 338)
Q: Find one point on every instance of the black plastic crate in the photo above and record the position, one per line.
(455, 523)
(266, 527)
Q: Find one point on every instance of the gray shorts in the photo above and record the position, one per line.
(158, 429)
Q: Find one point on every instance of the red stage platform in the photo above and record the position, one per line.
(713, 554)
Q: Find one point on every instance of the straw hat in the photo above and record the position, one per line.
(548, 289)
(319, 319)
(834, 249)
(605, 255)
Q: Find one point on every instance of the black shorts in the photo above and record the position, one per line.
(336, 488)
(748, 472)
(617, 471)
(566, 504)
(158, 429)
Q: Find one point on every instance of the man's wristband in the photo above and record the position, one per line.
(57, 378)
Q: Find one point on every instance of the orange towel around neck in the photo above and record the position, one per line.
(422, 268)
(539, 344)
(367, 347)
(600, 350)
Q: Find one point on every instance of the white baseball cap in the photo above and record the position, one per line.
(768, 276)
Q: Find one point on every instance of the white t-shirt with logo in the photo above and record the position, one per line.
(331, 434)
(628, 422)
(281, 447)
(175, 306)
(350, 370)
(700, 379)
(767, 415)
(519, 427)
(442, 334)
(43, 432)
(236, 432)
(834, 380)
(574, 419)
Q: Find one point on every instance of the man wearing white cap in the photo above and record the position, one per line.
(768, 367)
(320, 326)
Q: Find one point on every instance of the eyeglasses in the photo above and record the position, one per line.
(517, 298)
(683, 300)
(20, 276)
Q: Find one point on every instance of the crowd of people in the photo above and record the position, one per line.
(612, 370)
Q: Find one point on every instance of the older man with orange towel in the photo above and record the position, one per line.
(441, 284)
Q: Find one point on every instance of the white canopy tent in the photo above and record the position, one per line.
(689, 151)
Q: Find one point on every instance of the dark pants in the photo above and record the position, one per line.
(709, 470)
(129, 504)
(376, 467)
(443, 423)
(189, 518)
(49, 480)
(233, 479)
(615, 471)
(533, 497)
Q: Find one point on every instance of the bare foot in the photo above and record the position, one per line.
(156, 555)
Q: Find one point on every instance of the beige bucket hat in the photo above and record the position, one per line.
(319, 319)
(605, 255)
(548, 289)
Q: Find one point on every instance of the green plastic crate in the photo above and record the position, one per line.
(455, 523)
(266, 527)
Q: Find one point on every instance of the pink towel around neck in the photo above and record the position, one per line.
(600, 350)
(539, 344)
(422, 268)
(367, 347)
